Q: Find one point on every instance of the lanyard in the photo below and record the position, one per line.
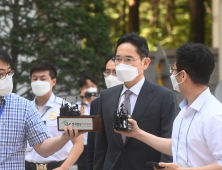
(186, 137)
(47, 109)
(3, 106)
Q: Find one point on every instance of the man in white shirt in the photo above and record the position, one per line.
(43, 78)
(197, 130)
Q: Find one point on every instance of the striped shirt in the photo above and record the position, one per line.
(20, 122)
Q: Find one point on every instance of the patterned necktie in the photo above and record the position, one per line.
(127, 105)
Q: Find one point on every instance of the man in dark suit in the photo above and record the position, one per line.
(110, 80)
(153, 107)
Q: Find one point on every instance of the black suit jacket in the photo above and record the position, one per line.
(155, 110)
(91, 136)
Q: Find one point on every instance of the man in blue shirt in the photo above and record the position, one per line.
(20, 122)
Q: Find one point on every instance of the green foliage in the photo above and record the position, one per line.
(158, 23)
(71, 35)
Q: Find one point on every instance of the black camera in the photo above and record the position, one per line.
(68, 110)
(120, 119)
(92, 92)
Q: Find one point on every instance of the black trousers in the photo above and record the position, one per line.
(50, 166)
(81, 162)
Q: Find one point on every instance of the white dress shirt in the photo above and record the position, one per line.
(197, 132)
(53, 104)
(87, 112)
(133, 97)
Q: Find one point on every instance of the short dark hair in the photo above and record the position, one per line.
(134, 39)
(45, 66)
(82, 80)
(110, 57)
(197, 60)
(5, 57)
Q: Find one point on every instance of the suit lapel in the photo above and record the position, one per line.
(143, 101)
(113, 101)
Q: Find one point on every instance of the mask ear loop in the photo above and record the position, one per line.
(178, 74)
(141, 62)
(140, 65)
(50, 89)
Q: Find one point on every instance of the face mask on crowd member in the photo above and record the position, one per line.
(41, 82)
(174, 81)
(6, 84)
(88, 88)
(110, 75)
(112, 81)
(130, 63)
(40, 88)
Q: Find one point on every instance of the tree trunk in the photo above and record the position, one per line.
(170, 16)
(123, 17)
(197, 26)
(14, 43)
(133, 23)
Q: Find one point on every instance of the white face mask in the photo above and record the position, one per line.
(112, 81)
(174, 82)
(92, 90)
(126, 73)
(40, 88)
(6, 86)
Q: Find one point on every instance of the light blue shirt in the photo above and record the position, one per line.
(201, 145)
(20, 122)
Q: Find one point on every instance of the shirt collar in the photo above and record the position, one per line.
(200, 100)
(135, 89)
(50, 102)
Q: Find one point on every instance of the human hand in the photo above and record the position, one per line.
(135, 129)
(82, 95)
(70, 133)
(170, 166)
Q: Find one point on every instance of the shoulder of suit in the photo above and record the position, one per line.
(160, 88)
(96, 101)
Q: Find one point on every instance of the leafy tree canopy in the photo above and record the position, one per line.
(72, 35)
(165, 21)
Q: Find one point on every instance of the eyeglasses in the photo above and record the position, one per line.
(127, 61)
(172, 69)
(3, 75)
(107, 73)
